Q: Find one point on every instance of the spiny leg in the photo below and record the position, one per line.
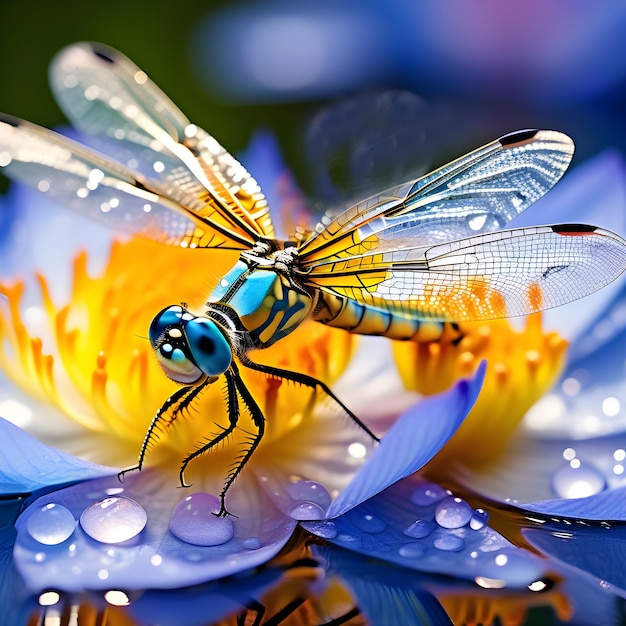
(307, 381)
(259, 421)
(183, 397)
(233, 418)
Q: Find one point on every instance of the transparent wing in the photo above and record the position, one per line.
(99, 187)
(104, 94)
(502, 274)
(478, 193)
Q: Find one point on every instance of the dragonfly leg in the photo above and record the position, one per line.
(163, 421)
(234, 388)
(233, 418)
(307, 381)
(259, 421)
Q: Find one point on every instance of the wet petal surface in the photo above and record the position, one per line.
(27, 465)
(123, 540)
(418, 525)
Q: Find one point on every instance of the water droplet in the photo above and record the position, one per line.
(419, 529)
(113, 519)
(577, 481)
(449, 543)
(453, 513)
(310, 491)
(307, 511)
(115, 597)
(427, 494)
(193, 521)
(252, 543)
(517, 569)
(49, 598)
(357, 450)
(479, 519)
(569, 454)
(325, 530)
(51, 524)
(366, 522)
(412, 549)
(103, 574)
(349, 540)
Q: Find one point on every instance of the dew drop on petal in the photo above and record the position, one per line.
(115, 597)
(412, 549)
(479, 519)
(310, 491)
(453, 513)
(252, 543)
(449, 543)
(325, 530)
(51, 524)
(514, 568)
(49, 598)
(114, 519)
(302, 511)
(366, 522)
(349, 540)
(193, 521)
(427, 494)
(419, 529)
(577, 481)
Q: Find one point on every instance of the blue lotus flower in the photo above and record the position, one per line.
(82, 536)
(81, 529)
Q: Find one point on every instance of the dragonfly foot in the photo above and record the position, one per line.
(123, 473)
(183, 483)
(223, 512)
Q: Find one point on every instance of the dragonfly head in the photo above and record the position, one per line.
(188, 347)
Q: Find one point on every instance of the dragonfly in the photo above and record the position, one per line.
(423, 254)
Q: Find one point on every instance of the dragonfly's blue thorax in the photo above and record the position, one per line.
(267, 303)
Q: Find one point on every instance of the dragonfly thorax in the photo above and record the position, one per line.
(189, 348)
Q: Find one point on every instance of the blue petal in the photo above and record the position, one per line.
(385, 594)
(412, 441)
(598, 550)
(151, 557)
(28, 465)
(606, 505)
(404, 525)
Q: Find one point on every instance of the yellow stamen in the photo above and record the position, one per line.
(522, 365)
(94, 362)
(509, 607)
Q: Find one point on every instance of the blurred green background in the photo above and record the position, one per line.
(155, 35)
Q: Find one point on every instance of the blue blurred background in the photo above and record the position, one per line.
(359, 93)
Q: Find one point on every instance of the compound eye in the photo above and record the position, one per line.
(208, 346)
(177, 365)
(170, 317)
(167, 336)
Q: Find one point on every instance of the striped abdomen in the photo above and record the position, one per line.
(345, 313)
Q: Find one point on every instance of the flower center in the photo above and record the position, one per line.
(91, 359)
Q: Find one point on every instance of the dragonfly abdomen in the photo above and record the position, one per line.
(333, 310)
